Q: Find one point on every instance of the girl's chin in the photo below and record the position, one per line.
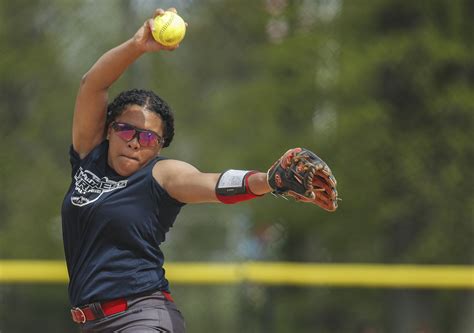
(127, 166)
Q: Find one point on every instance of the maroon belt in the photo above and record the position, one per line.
(103, 309)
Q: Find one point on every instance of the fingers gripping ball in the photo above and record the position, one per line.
(301, 174)
(169, 29)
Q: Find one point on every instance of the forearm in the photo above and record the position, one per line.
(111, 66)
(258, 183)
(187, 184)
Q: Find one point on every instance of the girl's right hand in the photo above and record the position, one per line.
(143, 38)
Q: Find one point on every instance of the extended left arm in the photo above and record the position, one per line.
(187, 184)
(299, 173)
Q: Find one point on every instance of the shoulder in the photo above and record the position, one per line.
(166, 170)
(98, 152)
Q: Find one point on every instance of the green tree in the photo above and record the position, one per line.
(381, 92)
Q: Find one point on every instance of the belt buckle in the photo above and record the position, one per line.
(77, 312)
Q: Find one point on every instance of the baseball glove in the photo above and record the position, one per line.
(301, 174)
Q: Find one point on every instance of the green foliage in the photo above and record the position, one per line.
(33, 123)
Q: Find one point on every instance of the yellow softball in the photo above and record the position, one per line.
(169, 29)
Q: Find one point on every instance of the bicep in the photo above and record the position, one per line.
(88, 125)
(186, 183)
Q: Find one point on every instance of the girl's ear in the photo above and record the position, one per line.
(109, 130)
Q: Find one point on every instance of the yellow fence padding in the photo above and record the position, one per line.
(270, 273)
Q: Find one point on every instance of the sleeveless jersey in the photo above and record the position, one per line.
(112, 229)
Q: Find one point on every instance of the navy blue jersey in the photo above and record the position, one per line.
(112, 229)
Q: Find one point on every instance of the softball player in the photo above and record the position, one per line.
(124, 196)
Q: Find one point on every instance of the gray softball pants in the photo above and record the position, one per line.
(152, 313)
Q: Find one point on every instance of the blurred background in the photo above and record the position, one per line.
(382, 90)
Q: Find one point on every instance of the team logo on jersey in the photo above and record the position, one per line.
(89, 187)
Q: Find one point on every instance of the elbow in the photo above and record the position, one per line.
(92, 83)
(88, 83)
(84, 79)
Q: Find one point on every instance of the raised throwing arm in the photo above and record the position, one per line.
(91, 101)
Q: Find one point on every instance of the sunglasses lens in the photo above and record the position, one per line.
(148, 139)
(126, 135)
(127, 132)
(124, 131)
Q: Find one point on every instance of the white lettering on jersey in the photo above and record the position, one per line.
(89, 187)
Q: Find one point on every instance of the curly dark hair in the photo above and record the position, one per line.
(149, 101)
